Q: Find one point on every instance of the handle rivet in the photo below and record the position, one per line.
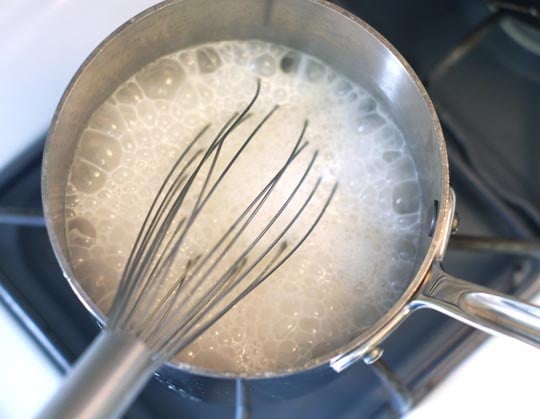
(455, 223)
(431, 218)
(373, 355)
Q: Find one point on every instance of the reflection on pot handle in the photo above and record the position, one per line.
(480, 307)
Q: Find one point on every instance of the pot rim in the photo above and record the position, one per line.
(368, 339)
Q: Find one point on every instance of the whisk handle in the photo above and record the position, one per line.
(104, 381)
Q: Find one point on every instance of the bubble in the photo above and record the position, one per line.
(290, 62)
(407, 220)
(87, 178)
(332, 76)
(364, 147)
(163, 106)
(147, 113)
(164, 121)
(390, 156)
(108, 120)
(187, 99)
(385, 198)
(225, 51)
(241, 57)
(142, 138)
(97, 277)
(402, 168)
(406, 197)
(123, 174)
(81, 232)
(343, 87)
(100, 149)
(78, 254)
(129, 94)
(370, 123)
(406, 248)
(315, 71)
(104, 226)
(146, 154)
(264, 65)
(280, 95)
(188, 61)
(351, 97)
(129, 116)
(70, 189)
(366, 105)
(208, 60)
(127, 143)
(256, 46)
(72, 200)
(161, 79)
(115, 262)
(388, 137)
(399, 272)
(205, 94)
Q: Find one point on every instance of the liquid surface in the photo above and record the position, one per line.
(347, 274)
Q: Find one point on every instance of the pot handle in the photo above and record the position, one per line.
(480, 307)
(104, 381)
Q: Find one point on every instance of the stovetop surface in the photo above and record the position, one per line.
(487, 108)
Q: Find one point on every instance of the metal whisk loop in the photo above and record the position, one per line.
(149, 240)
(182, 313)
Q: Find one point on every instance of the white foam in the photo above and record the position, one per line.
(347, 274)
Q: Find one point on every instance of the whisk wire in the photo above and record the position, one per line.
(124, 290)
(159, 271)
(148, 232)
(168, 301)
(211, 297)
(188, 307)
(260, 199)
(227, 128)
(182, 341)
(164, 226)
(156, 241)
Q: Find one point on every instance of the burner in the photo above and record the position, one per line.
(526, 35)
(513, 39)
(522, 23)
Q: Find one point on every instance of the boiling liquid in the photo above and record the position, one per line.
(345, 276)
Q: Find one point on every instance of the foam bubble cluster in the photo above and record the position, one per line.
(345, 276)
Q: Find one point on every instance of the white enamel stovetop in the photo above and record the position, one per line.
(42, 42)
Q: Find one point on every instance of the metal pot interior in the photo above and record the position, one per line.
(323, 30)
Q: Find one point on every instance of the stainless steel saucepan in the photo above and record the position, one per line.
(356, 50)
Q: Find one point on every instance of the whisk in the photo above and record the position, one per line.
(153, 318)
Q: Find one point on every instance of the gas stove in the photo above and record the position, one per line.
(481, 64)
